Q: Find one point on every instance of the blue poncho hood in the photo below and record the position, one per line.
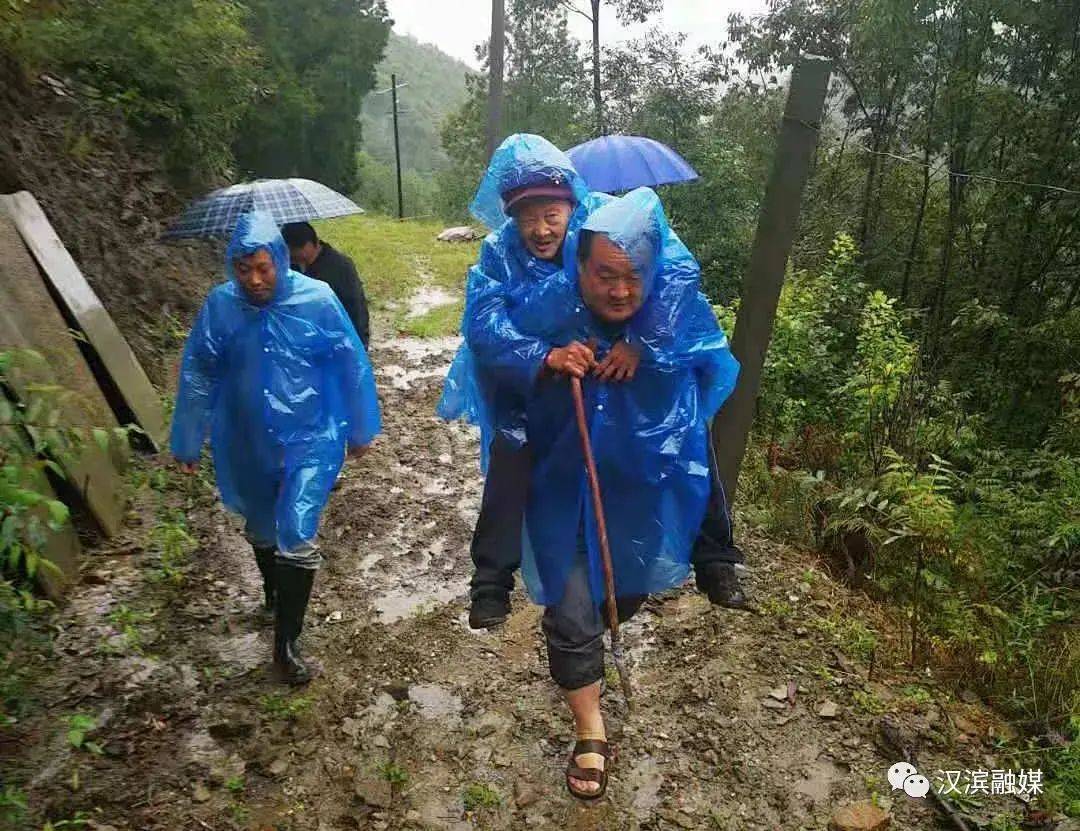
(634, 222)
(523, 159)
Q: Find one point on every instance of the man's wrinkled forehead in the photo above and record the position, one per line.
(539, 205)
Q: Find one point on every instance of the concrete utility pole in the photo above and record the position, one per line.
(768, 261)
(496, 50)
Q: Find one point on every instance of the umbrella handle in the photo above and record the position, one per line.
(598, 509)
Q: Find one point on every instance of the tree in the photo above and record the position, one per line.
(951, 158)
(321, 62)
(545, 92)
(658, 89)
(627, 11)
(182, 73)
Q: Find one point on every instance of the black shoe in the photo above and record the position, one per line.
(720, 582)
(293, 591)
(488, 610)
(265, 558)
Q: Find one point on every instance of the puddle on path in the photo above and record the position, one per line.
(639, 635)
(426, 298)
(821, 775)
(644, 782)
(417, 349)
(403, 379)
(245, 651)
(401, 603)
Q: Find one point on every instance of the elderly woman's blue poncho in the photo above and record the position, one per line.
(495, 367)
(280, 390)
(649, 436)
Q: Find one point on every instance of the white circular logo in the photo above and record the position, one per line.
(898, 773)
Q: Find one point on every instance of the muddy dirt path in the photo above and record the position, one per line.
(741, 721)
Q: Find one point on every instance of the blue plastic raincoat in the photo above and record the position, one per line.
(496, 366)
(649, 435)
(280, 390)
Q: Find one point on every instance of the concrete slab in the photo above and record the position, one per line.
(86, 309)
(29, 320)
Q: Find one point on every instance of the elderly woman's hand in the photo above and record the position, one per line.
(619, 364)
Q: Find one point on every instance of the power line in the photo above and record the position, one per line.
(982, 177)
(960, 175)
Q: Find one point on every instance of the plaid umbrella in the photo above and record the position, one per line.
(287, 200)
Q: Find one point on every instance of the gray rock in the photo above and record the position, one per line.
(525, 794)
(459, 233)
(373, 792)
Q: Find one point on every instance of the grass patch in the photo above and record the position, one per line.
(278, 706)
(868, 702)
(394, 773)
(174, 545)
(235, 784)
(440, 321)
(126, 622)
(853, 636)
(479, 796)
(394, 256)
(774, 607)
(914, 694)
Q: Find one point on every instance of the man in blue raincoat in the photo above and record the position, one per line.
(626, 272)
(537, 202)
(277, 378)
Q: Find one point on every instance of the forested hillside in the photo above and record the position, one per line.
(435, 88)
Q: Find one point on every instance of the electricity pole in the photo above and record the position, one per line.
(768, 261)
(397, 148)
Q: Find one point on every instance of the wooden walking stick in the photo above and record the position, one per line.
(601, 529)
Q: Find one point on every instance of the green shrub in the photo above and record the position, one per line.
(182, 72)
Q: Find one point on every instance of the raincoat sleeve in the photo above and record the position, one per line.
(197, 392)
(351, 369)
(499, 346)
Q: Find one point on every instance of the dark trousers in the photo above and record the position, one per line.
(496, 542)
(715, 542)
(574, 627)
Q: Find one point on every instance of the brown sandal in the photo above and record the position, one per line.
(581, 747)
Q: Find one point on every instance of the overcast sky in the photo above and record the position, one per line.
(456, 26)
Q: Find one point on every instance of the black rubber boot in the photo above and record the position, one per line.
(293, 592)
(489, 608)
(265, 558)
(721, 583)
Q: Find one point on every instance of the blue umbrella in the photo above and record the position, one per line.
(287, 200)
(611, 164)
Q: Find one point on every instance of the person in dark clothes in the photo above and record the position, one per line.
(320, 260)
